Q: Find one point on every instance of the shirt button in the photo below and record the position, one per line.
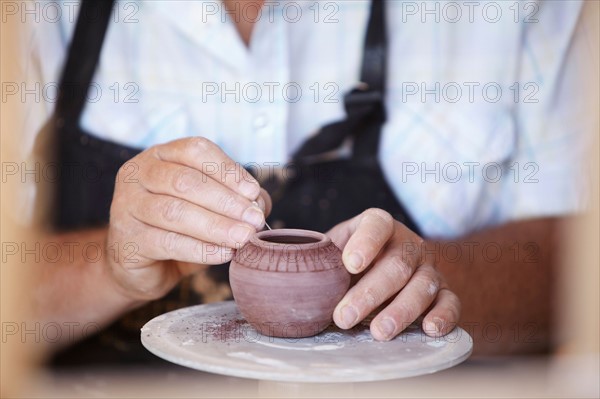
(260, 121)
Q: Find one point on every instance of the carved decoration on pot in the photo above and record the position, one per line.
(287, 282)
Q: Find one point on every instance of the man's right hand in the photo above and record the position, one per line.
(178, 206)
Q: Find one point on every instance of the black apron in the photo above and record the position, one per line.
(320, 195)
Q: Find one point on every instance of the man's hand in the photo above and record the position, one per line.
(188, 204)
(397, 266)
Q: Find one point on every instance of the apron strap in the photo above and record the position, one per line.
(82, 60)
(364, 104)
(375, 49)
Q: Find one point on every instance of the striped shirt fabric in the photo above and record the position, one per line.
(485, 99)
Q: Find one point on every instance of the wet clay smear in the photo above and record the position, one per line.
(229, 328)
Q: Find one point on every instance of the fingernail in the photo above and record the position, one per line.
(249, 189)
(355, 261)
(387, 328)
(431, 328)
(260, 202)
(349, 316)
(254, 216)
(240, 234)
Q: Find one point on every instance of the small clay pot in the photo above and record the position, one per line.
(287, 282)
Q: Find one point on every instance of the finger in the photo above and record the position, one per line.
(264, 202)
(444, 315)
(192, 185)
(167, 245)
(372, 230)
(341, 233)
(389, 274)
(418, 294)
(204, 155)
(182, 217)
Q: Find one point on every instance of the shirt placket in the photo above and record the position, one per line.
(269, 74)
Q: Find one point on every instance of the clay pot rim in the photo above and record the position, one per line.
(323, 240)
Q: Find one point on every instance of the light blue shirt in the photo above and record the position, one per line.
(486, 116)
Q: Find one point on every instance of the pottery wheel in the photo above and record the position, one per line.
(216, 338)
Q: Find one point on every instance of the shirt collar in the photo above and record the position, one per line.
(205, 23)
